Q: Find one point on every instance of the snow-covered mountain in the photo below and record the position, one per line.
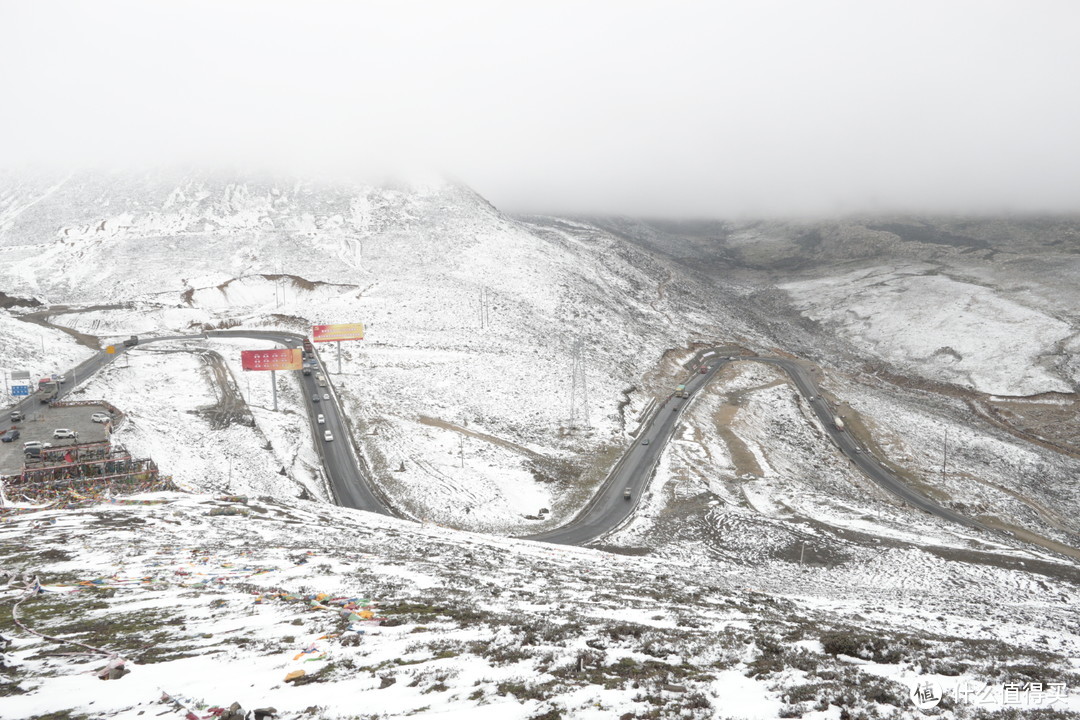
(473, 317)
(762, 575)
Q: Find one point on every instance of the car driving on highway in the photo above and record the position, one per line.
(321, 419)
(627, 493)
(327, 436)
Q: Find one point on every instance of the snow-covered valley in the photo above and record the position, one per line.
(762, 573)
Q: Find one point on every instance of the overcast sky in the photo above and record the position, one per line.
(646, 108)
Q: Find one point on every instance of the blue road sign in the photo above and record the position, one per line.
(17, 390)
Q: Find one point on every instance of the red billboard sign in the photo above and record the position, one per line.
(333, 333)
(290, 359)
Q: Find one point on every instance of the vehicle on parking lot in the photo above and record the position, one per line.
(61, 433)
(101, 417)
(10, 436)
(31, 444)
(17, 416)
(321, 419)
(327, 436)
(326, 396)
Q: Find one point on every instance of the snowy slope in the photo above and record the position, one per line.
(472, 317)
(210, 601)
(941, 328)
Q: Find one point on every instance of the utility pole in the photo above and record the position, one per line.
(338, 357)
(944, 453)
(579, 380)
(273, 383)
(461, 450)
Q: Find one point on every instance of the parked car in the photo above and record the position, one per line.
(17, 416)
(10, 436)
(61, 433)
(101, 417)
(327, 436)
(321, 419)
(35, 444)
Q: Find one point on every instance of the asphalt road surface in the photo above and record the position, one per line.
(610, 508)
(865, 462)
(350, 486)
(617, 498)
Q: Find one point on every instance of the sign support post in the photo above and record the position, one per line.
(272, 360)
(337, 333)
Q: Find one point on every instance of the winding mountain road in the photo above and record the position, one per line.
(610, 507)
(350, 486)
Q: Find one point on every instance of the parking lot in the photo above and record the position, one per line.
(39, 425)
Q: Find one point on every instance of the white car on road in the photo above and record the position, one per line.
(327, 436)
(321, 419)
